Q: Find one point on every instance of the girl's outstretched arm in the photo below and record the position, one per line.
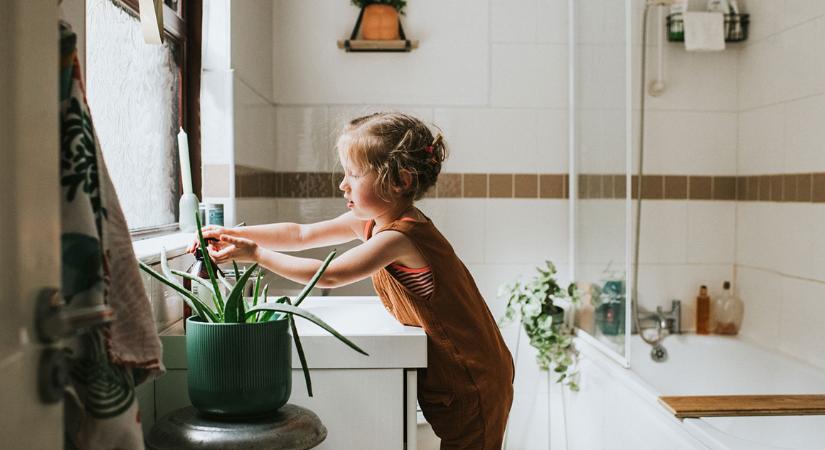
(292, 236)
(354, 265)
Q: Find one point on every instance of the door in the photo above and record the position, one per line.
(29, 215)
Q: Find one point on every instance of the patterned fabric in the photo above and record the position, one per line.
(419, 281)
(99, 267)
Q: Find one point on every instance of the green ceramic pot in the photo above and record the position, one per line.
(238, 369)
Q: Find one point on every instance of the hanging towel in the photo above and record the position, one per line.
(99, 267)
(704, 31)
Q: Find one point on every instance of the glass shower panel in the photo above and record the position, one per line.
(600, 161)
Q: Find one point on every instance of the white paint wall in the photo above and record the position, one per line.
(780, 251)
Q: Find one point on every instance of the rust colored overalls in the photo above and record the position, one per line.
(466, 390)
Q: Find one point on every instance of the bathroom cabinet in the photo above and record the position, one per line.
(365, 402)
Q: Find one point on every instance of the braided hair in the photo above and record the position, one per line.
(389, 144)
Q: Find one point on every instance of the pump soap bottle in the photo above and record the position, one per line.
(703, 311)
(727, 312)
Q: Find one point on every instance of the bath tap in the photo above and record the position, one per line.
(669, 322)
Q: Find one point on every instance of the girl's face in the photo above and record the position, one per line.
(360, 191)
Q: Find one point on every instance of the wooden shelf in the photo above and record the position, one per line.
(744, 405)
(362, 45)
(355, 44)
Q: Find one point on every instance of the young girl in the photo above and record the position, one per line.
(389, 161)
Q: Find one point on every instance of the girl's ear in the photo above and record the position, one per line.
(406, 181)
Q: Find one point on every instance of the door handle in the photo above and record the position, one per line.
(53, 321)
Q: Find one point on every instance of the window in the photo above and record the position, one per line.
(137, 95)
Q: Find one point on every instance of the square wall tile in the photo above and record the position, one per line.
(526, 231)
(800, 321)
(600, 233)
(760, 77)
(802, 68)
(711, 232)
(251, 44)
(552, 149)
(489, 140)
(804, 135)
(513, 22)
(664, 232)
(699, 81)
(762, 294)
(257, 211)
(691, 143)
(302, 140)
(462, 221)
(552, 21)
(529, 75)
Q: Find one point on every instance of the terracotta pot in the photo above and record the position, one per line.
(380, 23)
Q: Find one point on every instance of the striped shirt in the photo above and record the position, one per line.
(419, 281)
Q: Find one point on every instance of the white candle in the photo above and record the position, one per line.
(185, 168)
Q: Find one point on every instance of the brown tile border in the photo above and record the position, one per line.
(802, 187)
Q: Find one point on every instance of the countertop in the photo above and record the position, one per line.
(363, 320)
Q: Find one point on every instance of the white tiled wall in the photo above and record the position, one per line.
(493, 76)
(780, 266)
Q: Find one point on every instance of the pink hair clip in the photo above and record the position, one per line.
(429, 149)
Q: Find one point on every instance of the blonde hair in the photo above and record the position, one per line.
(390, 143)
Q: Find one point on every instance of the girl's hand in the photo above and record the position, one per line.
(234, 249)
(211, 234)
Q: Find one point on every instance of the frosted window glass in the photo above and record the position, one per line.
(133, 92)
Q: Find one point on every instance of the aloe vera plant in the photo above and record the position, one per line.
(234, 309)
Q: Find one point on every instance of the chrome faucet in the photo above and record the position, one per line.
(667, 322)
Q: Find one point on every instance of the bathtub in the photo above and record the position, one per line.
(624, 403)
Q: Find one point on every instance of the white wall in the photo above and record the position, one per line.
(780, 253)
(492, 76)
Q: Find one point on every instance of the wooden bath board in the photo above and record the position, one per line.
(744, 405)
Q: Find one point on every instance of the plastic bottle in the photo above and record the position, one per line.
(703, 311)
(727, 312)
(197, 269)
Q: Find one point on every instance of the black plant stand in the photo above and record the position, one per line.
(290, 428)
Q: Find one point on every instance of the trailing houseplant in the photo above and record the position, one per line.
(239, 351)
(536, 301)
(379, 20)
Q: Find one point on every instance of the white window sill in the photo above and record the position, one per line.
(148, 250)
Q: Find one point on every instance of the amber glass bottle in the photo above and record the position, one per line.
(703, 311)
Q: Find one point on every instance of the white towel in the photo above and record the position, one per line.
(704, 31)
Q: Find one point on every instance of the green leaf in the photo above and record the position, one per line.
(194, 302)
(266, 289)
(207, 259)
(205, 285)
(314, 279)
(267, 315)
(301, 355)
(257, 288)
(306, 315)
(234, 312)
